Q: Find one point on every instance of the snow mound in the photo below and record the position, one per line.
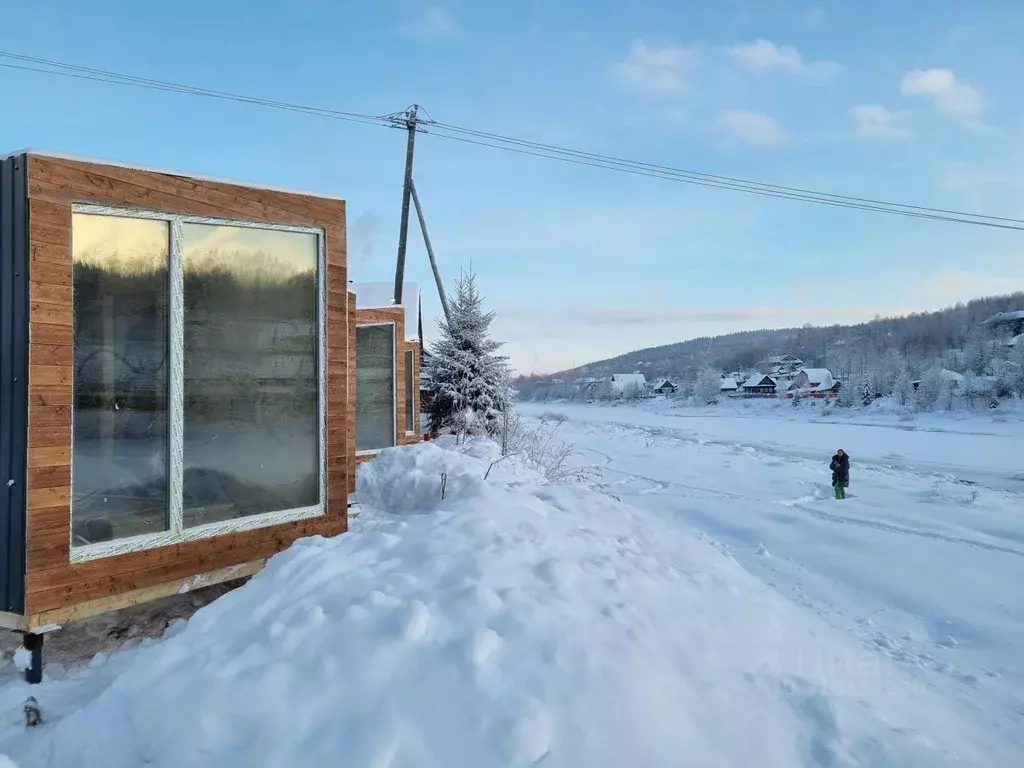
(513, 623)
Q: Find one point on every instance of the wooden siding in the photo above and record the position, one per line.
(394, 315)
(408, 438)
(351, 411)
(53, 582)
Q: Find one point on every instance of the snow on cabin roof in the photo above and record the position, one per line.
(152, 169)
(729, 384)
(381, 295)
(662, 383)
(756, 379)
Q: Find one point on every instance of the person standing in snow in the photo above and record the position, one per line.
(840, 467)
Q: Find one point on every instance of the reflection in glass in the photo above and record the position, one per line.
(375, 387)
(251, 414)
(120, 477)
(410, 393)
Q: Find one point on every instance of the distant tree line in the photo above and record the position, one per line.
(909, 358)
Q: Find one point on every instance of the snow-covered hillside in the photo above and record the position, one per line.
(512, 623)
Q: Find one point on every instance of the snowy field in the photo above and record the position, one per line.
(709, 607)
(922, 565)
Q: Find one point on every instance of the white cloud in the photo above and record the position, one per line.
(750, 127)
(873, 121)
(950, 95)
(432, 23)
(763, 56)
(656, 72)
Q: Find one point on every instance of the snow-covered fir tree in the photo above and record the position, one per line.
(867, 390)
(470, 381)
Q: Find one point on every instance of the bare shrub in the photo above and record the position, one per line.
(538, 446)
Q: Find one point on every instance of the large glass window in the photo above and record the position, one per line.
(251, 443)
(198, 376)
(375, 387)
(120, 470)
(410, 392)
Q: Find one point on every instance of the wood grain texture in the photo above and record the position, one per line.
(143, 595)
(55, 587)
(395, 315)
(409, 438)
(351, 390)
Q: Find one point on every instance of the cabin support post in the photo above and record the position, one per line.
(33, 643)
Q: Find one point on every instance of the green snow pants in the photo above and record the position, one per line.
(840, 491)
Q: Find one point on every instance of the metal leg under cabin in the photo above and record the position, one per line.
(33, 643)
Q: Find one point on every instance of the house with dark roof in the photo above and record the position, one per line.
(1008, 322)
(760, 384)
(665, 387)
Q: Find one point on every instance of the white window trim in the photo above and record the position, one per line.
(177, 533)
(394, 386)
(410, 394)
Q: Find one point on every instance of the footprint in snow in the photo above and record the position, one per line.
(417, 621)
(530, 739)
(485, 643)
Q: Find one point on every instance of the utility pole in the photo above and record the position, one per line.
(430, 251)
(410, 119)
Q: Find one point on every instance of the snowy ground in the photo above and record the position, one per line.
(515, 623)
(923, 565)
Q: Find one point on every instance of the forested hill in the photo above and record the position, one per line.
(918, 341)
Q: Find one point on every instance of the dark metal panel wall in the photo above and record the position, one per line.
(13, 379)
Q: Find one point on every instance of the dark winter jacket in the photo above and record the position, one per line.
(840, 467)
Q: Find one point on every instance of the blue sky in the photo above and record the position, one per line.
(917, 103)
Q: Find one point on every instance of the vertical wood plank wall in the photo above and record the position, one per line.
(394, 315)
(54, 185)
(351, 412)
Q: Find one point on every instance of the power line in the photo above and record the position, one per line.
(977, 219)
(526, 147)
(48, 67)
(704, 176)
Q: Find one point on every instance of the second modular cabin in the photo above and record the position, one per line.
(177, 382)
(386, 370)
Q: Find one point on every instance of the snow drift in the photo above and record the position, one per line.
(512, 623)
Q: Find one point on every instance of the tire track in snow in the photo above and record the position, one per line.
(898, 529)
(821, 515)
(1012, 482)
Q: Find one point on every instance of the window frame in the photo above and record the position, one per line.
(394, 385)
(177, 533)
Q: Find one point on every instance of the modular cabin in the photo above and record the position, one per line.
(176, 382)
(385, 370)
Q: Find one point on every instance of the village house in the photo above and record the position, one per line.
(1012, 323)
(760, 384)
(665, 387)
(781, 365)
(815, 380)
(728, 386)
